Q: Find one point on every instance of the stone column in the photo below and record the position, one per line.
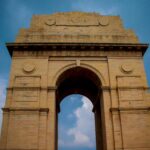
(51, 120)
(98, 126)
(42, 128)
(107, 120)
(4, 130)
(118, 141)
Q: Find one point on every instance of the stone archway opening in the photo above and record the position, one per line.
(76, 126)
(82, 81)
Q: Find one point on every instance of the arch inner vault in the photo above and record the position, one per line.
(82, 81)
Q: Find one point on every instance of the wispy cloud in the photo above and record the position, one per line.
(94, 7)
(82, 134)
(3, 85)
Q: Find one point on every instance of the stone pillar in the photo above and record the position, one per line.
(42, 130)
(51, 120)
(4, 130)
(118, 141)
(107, 120)
(98, 127)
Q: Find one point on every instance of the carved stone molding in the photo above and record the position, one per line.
(104, 21)
(25, 109)
(108, 49)
(50, 22)
(28, 67)
(127, 68)
(129, 109)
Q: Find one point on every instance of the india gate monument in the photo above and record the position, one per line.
(76, 53)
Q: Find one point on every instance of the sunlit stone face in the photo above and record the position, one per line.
(76, 53)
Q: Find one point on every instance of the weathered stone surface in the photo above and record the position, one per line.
(77, 27)
(98, 58)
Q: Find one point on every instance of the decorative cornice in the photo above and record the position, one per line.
(38, 87)
(5, 109)
(32, 88)
(76, 46)
(52, 88)
(104, 88)
(108, 88)
(129, 109)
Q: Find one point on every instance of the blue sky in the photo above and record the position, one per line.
(76, 124)
(15, 14)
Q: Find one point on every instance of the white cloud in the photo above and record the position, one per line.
(94, 7)
(73, 98)
(3, 85)
(110, 11)
(70, 116)
(83, 134)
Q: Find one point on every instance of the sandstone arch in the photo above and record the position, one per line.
(79, 80)
(93, 44)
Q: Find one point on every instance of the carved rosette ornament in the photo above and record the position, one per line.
(127, 68)
(28, 67)
(50, 22)
(104, 21)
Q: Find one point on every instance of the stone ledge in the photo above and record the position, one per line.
(76, 46)
(33, 87)
(25, 109)
(124, 87)
(129, 109)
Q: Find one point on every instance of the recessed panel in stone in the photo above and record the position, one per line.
(129, 81)
(130, 94)
(27, 81)
(76, 20)
(26, 95)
